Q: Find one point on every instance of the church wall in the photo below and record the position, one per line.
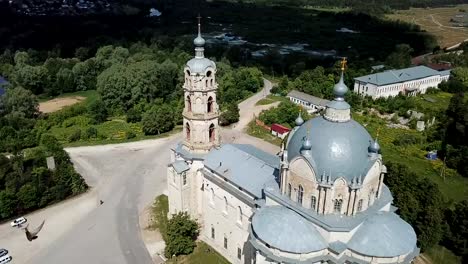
(301, 174)
(230, 220)
(175, 196)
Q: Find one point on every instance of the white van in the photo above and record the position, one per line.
(5, 259)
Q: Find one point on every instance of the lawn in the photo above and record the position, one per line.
(435, 21)
(432, 103)
(90, 96)
(257, 131)
(271, 99)
(453, 186)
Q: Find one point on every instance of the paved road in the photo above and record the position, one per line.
(126, 177)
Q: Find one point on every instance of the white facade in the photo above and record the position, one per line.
(392, 83)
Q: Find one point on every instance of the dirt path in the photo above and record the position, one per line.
(59, 103)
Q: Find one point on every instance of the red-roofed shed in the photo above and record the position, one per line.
(279, 130)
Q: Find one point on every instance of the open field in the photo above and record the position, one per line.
(437, 22)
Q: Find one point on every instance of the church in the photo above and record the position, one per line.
(322, 199)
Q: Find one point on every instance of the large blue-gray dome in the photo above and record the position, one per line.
(338, 148)
(283, 229)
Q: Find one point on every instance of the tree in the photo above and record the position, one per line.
(457, 235)
(8, 203)
(133, 116)
(21, 101)
(98, 111)
(28, 196)
(181, 235)
(400, 58)
(34, 78)
(158, 119)
(230, 116)
(461, 74)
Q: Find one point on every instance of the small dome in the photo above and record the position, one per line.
(374, 146)
(384, 234)
(199, 41)
(306, 145)
(299, 120)
(340, 89)
(200, 65)
(339, 148)
(285, 230)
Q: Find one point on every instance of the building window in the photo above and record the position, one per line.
(184, 179)
(313, 202)
(211, 133)
(289, 190)
(187, 131)
(210, 104)
(212, 233)
(239, 253)
(300, 194)
(359, 205)
(212, 196)
(225, 205)
(337, 205)
(239, 214)
(189, 104)
(225, 242)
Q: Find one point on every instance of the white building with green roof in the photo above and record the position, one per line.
(408, 81)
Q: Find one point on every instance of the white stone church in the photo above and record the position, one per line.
(321, 200)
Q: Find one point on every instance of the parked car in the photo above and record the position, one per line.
(5, 259)
(18, 222)
(3, 252)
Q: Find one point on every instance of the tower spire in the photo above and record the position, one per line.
(199, 42)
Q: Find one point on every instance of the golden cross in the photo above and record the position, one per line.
(343, 63)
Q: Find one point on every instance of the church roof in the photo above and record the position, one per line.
(285, 230)
(200, 65)
(180, 166)
(339, 149)
(243, 165)
(384, 234)
(398, 76)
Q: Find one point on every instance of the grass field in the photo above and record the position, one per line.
(271, 99)
(435, 21)
(260, 132)
(439, 254)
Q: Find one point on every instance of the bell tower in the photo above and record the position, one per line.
(201, 111)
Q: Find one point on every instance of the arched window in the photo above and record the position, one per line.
(187, 131)
(337, 205)
(210, 105)
(189, 104)
(225, 205)
(212, 196)
(211, 82)
(188, 72)
(184, 179)
(206, 83)
(313, 202)
(371, 197)
(359, 205)
(239, 214)
(208, 74)
(300, 194)
(211, 133)
(289, 190)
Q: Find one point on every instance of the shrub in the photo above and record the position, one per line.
(97, 110)
(133, 116)
(130, 135)
(231, 115)
(75, 135)
(91, 132)
(158, 119)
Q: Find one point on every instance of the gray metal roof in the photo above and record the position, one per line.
(179, 149)
(308, 98)
(269, 159)
(398, 76)
(445, 73)
(180, 166)
(285, 230)
(384, 234)
(339, 149)
(200, 65)
(239, 166)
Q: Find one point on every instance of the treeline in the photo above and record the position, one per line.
(27, 181)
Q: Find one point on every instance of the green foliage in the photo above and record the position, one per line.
(235, 85)
(130, 135)
(19, 100)
(419, 201)
(314, 82)
(158, 119)
(98, 111)
(285, 114)
(75, 136)
(230, 116)
(181, 235)
(133, 116)
(400, 58)
(457, 233)
(91, 132)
